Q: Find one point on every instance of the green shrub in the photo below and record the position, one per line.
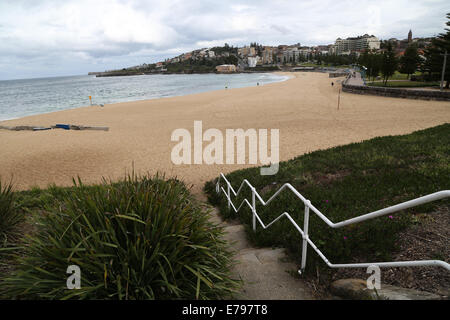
(9, 215)
(140, 238)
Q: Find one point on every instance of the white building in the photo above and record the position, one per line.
(304, 52)
(356, 44)
(207, 53)
(292, 54)
(252, 61)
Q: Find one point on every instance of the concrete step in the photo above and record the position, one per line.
(267, 277)
(236, 235)
(266, 273)
(264, 255)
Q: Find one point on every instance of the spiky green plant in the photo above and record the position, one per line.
(9, 216)
(142, 238)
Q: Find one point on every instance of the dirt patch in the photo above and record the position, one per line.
(316, 178)
(324, 179)
(269, 188)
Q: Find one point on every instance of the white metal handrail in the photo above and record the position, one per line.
(304, 233)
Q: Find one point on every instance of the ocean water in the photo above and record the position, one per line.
(19, 98)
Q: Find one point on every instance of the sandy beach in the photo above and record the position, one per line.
(304, 108)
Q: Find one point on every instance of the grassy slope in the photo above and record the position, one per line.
(346, 182)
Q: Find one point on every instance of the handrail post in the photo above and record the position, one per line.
(305, 236)
(228, 196)
(254, 208)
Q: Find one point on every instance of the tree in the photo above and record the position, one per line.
(364, 59)
(433, 61)
(409, 62)
(389, 63)
(319, 59)
(376, 64)
(442, 42)
(372, 61)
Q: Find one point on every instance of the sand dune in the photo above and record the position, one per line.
(303, 108)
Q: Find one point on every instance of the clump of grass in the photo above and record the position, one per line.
(10, 217)
(141, 238)
(345, 182)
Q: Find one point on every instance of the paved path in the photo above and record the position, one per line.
(265, 272)
(356, 81)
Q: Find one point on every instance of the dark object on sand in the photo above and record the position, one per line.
(63, 126)
(23, 128)
(332, 84)
(58, 126)
(77, 127)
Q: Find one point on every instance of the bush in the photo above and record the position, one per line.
(9, 215)
(140, 238)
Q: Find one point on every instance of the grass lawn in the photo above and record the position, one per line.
(404, 84)
(399, 76)
(403, 76)
(346, 182)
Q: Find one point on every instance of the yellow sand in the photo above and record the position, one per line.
(303, 108)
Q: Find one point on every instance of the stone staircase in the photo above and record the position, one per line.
(266, 272)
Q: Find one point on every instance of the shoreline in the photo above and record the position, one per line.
(303, 108)
(280, 73)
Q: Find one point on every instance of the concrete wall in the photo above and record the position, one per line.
(398, 92)
(338, 74)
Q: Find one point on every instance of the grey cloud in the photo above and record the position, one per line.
(82, 35)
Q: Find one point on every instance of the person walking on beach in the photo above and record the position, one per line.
(332, 84)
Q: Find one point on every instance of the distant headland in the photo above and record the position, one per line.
(261, 58)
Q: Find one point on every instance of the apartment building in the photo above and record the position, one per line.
(355, 44)
(267, 55)
(247, 51)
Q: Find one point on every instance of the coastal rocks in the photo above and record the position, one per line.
(356, 289)
(350, 289)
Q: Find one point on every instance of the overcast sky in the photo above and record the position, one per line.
(72, 37)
